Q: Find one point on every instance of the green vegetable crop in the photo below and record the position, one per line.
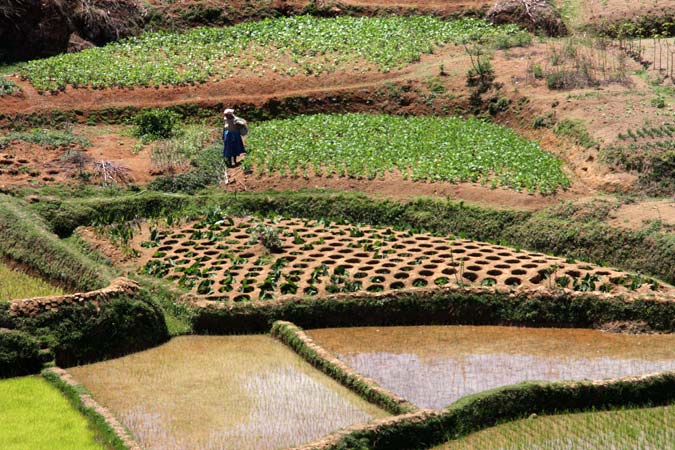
(420, 148)
(289, 45)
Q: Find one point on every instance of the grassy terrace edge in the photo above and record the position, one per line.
(438, 306)
(424, 429)
(114, 435)
(295, 338)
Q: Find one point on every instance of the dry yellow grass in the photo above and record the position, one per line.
(210, 392)
(16, 285)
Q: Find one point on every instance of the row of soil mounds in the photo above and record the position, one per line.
(226, 262)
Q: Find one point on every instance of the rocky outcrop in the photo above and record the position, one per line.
(537, 16)
(32, 307)
(38, 28)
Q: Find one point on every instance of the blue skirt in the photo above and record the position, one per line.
(233, 144)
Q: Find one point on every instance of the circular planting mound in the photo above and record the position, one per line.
(240, 260)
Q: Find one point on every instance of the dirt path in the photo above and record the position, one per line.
(395, 187)
(243, 89)
(637, 215)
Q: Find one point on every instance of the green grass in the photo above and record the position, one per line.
(287, 46)
(15, 285)
(421, 148)
(34, 415)
(624, 429)
(576, 131)
(43, 136)
(27, 240)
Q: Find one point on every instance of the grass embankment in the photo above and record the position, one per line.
(15, 284)
(420, 148)
(34, 415)
(26, 239)
(285, 46)
(486, 409)
(632, 428)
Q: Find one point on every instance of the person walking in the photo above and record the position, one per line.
(233, 145)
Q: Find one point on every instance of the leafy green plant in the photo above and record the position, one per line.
(575, 130)
(285, 46)
(155, 124)
(8, 87)
(586, 283)
(268, 236)
(421, 148)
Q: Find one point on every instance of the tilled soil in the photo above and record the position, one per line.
(227, 263)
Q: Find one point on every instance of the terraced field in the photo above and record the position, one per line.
(15, 285)
(225, 259)
(35, 415)
(423, 149)
(435, 366)
(245, 392)
(284, 46)
(638, 428)
(478, 179)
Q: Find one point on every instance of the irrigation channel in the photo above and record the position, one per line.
(432, 366)
(252, 392)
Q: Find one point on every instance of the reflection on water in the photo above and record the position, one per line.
(437, 383)
(434, 366)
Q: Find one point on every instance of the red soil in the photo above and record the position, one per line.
(378, 259)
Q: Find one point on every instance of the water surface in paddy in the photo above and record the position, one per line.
(222, 392)
(432, 366)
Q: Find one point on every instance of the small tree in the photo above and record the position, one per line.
(481, 75)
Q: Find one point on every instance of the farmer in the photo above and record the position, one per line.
(235, 128)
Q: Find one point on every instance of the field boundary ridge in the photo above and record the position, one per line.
(295, 338)
(99, 416)
(469, 305)
(425, 428)
(32, 307)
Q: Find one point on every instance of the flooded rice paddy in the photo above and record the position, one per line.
(222, 392)
(432, 366)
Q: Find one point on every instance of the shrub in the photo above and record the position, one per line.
(85, 332)
(498, 105)
(556, 80)
(543, 121)
(19, 354)
(208, 168)
(155, 124)
(658, 102)
(8, 87)
(537, 71)
(575, 130)
(481, 74)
